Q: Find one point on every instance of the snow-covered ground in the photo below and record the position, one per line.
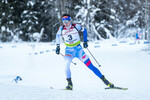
(124, 64)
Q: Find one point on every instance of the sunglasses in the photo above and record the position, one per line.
(66, 21)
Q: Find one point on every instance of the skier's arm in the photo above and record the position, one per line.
(58, 34)
(85, 44)
(58, 40)
(84, 33)
(80, 28)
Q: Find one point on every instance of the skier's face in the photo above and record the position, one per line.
(67, 22)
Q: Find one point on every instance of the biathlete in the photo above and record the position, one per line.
(137, 36)
(70, 33)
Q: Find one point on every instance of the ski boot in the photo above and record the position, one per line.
(70, 85)
(107, 82)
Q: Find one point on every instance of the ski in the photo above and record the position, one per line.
(119, 88)
(67, 89)
(61, 89)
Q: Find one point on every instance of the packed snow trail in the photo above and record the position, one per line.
(40, 68)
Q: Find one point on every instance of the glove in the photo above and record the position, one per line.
(85, 44)
(58, 49)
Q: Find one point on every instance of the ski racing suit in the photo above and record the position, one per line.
(73, 47)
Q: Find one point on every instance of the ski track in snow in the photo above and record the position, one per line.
(124, 65)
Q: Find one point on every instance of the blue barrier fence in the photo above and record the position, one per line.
(131, 43)
(97, 45)
(123, 42)
(114, 44)
(13, 46)
(147, 42)
(97, 42)
(53, 44)
(40, 52)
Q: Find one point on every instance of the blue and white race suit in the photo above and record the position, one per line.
(73, 47)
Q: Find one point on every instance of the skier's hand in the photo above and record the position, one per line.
(85, 44)
(58, 49)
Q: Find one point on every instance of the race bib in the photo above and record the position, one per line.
(71, 37)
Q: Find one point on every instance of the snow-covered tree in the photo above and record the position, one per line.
(24, 20)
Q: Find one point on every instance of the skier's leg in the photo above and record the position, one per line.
(67, 68)
(97, 72)
(85, 59)
(68, 59)
(68, 74)
(107, 82)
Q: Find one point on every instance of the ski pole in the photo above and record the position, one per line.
(71, 61)
(94, 57)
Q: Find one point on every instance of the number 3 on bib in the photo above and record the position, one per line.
(70, 37)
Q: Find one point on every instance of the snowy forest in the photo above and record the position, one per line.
(39, 20)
